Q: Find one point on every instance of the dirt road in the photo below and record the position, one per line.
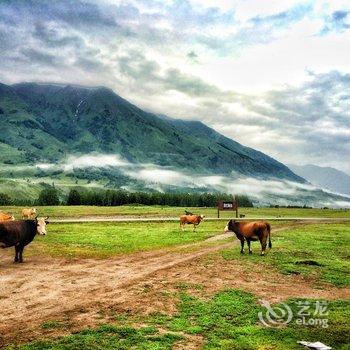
(45, 289)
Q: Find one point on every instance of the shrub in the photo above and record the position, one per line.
(48, 196)
(74, 197)
(5, 199)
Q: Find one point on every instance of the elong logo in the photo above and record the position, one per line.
(308, 314)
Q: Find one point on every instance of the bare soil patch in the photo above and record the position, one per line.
(86, 292)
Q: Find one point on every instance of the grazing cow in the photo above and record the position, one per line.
(28, 213)
(190, 219)
(251, 231)
(6, 217)
(20, 233)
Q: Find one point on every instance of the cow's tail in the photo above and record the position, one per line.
(269, 233)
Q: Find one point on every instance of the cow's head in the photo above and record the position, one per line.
(33, 210)
(202, 217)
(41, 225)
(230, 225)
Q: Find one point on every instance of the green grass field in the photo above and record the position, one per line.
(224, 320)
(164, 211)
(101, 240)
(320, 251)
(227, 320)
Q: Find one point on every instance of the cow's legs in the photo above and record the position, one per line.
(263, 244)
(248, 242)
(194, 227)
(242, 246)
(20, 254)
(16, 254)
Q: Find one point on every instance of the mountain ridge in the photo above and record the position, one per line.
(46, 122)
(326, 177)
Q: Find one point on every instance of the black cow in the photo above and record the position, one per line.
(18, 234)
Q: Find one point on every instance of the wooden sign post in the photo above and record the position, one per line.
(223, 205)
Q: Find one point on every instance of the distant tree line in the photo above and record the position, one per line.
(176, 199)
(305, 206)
(77, 196)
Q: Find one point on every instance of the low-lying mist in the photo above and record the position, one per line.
(261, 191)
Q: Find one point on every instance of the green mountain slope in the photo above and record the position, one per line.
(47, 122)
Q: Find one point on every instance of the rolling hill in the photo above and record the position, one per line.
(48, 122)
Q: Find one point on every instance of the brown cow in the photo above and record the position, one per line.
(191, 220)
(6, 217)
(28, 213)
(251, 231)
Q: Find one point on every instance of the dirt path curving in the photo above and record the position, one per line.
(45, 289)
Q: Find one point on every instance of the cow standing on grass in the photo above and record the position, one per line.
(191, 220)
(28, 213)
(251, 231)
(18, 234)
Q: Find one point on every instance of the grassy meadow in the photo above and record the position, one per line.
(317, 250)
(101, 240)
(320, 251)
(167, 211)
(227, 319)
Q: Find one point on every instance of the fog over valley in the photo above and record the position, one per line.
(153, 177)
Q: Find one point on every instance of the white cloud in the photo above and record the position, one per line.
(285, 61)
(252, 8)
(243, 59)
(92, 160)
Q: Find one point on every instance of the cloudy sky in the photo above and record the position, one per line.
(273, 75)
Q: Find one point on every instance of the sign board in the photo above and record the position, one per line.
(225, 205)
